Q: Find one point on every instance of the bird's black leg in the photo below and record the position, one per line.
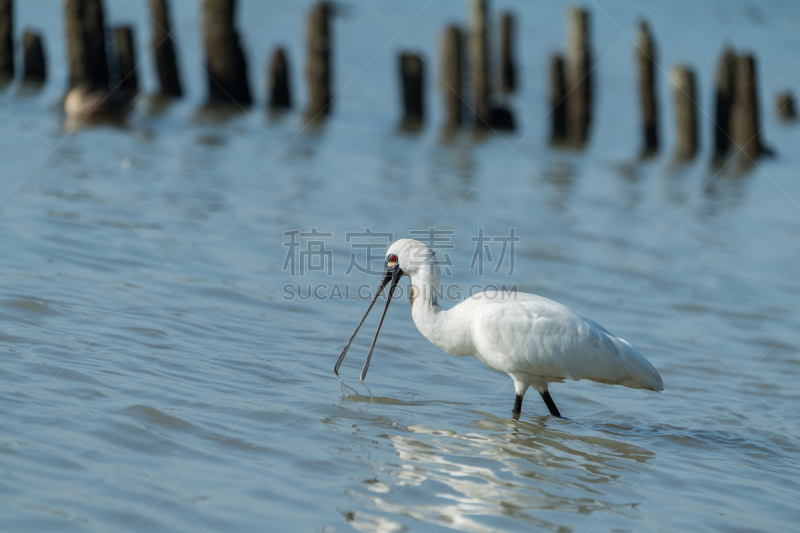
(550, 404)
(517, 404)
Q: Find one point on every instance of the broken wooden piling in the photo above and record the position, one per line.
(685, 94)
(225, 61)
(508, 67)
(34, 67)
(76, 48)
(279, 96)
(452, 75)
(127, 79)
(411, 80)
(578, 76)
(163, 48)
(318, 68)
(558, 100)
(784, 106)
(86, 43)
(745, 123)
(94, 28)
(478, 62)
(723, 94)
(646, 60)
(6, 40)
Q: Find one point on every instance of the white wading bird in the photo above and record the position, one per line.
(534, 340)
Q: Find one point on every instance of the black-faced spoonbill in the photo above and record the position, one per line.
(534, 340)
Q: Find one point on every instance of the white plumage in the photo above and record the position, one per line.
(534, 340)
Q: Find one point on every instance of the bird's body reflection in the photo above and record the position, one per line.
(495, 472)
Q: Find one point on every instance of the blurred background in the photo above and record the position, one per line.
(158, 375)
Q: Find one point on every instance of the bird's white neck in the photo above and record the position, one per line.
(425, 285)
(437, 325)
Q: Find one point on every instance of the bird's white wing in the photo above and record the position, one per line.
(525, 333)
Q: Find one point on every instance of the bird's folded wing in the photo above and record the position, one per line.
(544, 338)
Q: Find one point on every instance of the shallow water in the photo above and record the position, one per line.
(154, 378)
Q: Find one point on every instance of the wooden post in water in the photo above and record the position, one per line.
(411, 75)
(86, 43)
(478, 62)
(225, 61)
(94, 28)
(126, 59)
(508, 67)
(646, 59)
(683, 81)
(76, 48)
(579, 79)
(279, 96)
(34, 68)
(452, 75)
(318, 68)
(164, 50)
(745, 126)
(724, 91)
(784, 106)
(558, 100)
(6, 40)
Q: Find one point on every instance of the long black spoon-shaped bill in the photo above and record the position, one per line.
(395, 279)
(387, 276)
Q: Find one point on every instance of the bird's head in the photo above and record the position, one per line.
(409, 257)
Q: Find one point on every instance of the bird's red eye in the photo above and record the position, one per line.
(393, 258)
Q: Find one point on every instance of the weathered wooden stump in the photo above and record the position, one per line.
(95, 37)
(6, 40)
(34, 67)
(685, 91)
(225, 60)
(76, 46)
(452, 75)
(318, 68)
(558, 100)
(579, 79)
(745, 122)
(784, 106)
(86, 43)
(508, 66)
(478, 35)
(164, 50)
(724, 92)
(411, 75)
(646, 59)
(279, 96)
(127, 79)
